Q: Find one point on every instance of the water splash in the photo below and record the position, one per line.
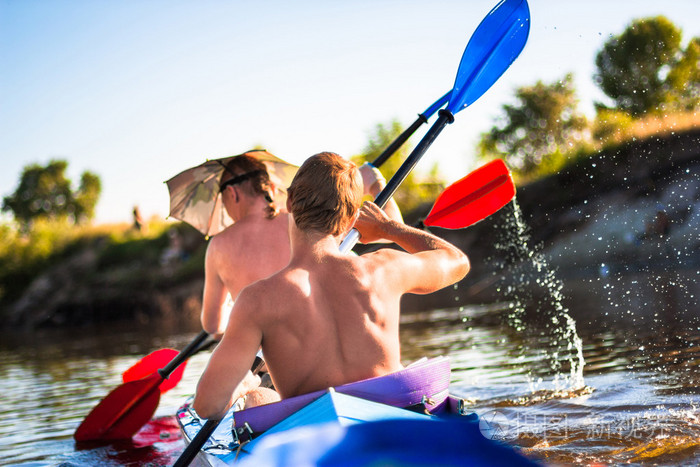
(530, 281)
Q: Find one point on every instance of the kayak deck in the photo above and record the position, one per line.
(223, 448)
(407, 417)
(220, 448)
(423, 385)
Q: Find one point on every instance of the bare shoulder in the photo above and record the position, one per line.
(385, 257)
(254, 294)
(258, 295)
(224, 237)
(249, 304)
(226, 240)
(268, 301)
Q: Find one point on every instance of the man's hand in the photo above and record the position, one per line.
(372, 223)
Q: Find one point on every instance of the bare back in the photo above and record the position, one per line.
(331, 320)
(252, 249)
(249, 250)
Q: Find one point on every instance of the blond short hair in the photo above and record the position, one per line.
(325, 194)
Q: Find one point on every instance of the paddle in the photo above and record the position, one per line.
(472, 198)
(157, 360)
(153, 362)
(128, 407)
(469, 200)
(422, 118)
(497, 41)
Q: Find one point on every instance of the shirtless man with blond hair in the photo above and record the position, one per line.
(327, 318)
(257, 244)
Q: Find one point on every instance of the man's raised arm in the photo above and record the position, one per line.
(433, 263)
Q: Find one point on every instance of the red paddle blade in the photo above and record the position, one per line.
(122, 412)
(153, 362)
(473, 198)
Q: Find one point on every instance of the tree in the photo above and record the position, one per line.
(416, 189)
(683, 81)
(45, 192)
(644, 70)
(87, 196)
(544, 121)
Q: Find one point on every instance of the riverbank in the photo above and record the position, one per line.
(631, 209)
(624, 210)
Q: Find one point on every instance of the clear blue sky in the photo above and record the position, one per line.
(138, 90)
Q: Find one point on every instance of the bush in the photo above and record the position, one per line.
(22, 257)
(612, 127)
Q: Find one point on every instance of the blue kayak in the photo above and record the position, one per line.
(340, 427)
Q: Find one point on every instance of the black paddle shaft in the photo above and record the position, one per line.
(396, 144)
(196, 444)
(445, 118)
(383, 197)
(183, 355)
(206, 431)
(403, 137)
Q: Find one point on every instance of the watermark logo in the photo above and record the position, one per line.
(494, 425)
(508, 424)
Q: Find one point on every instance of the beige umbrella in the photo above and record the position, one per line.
(195, 197)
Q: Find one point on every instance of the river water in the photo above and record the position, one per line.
(636, 399)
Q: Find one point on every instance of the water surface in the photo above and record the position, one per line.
(639, 401)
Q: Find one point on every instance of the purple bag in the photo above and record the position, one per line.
(425, 382)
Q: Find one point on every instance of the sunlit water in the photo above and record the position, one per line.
(640, 402)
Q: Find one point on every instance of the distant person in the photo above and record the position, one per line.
(138, 224)
(326, 318)
(256, 245)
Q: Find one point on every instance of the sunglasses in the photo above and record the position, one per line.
(239, 179)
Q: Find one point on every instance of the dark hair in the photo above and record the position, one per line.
(251, 174)
(325, 194)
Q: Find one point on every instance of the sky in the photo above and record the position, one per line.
(138, 90)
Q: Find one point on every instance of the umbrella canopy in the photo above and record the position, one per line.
(195, 197)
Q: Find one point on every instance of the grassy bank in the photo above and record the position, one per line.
(122, 256)
(611, 132)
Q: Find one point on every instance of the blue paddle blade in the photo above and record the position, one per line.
(496, 43)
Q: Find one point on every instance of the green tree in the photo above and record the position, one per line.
(45, 192)
(544, 122)
(683, 81)
(644, 70)
(87, 196)
(418, 187)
